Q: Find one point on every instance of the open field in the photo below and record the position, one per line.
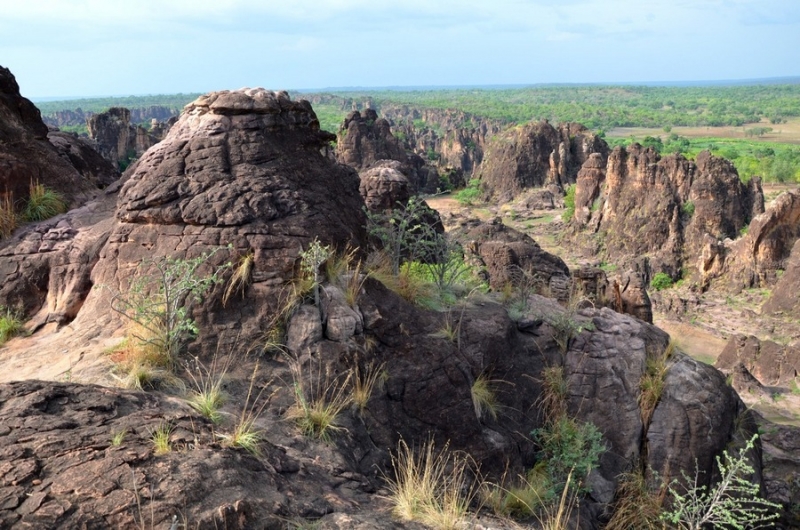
(788, 132)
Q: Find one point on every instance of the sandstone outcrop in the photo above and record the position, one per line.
(510, 257)
(651, 212)
(118, 139)
(786, 293)
(75, 117)
(26, 155)
(383, 186)
(81, 154)
(536, 155)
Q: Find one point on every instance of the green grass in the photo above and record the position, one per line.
(160, 438)
(43, 203)
(10, 325)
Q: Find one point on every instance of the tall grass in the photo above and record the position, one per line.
(10, 324)
(319, 400)
(9, 221)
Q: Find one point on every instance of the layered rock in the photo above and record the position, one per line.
(536, 155)
(365, 141)
(652, 212)
(384, 186)
(77, 117)
(81, 154)
(26, 155)
(510, 257)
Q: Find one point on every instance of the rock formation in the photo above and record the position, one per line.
(239, 168)
(785, 293)
(384, 185)
(650, 213)
(770, 363)
(81, 154)
(26, 155)
(118, 139)
(365, 141)
(536, 155)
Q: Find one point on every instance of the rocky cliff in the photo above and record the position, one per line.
(26, 155)
(118, 139)
(536, 155)
(655, 214)
(139, 115)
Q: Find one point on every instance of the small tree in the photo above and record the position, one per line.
(157, 300)
(735, 501)
(315, 255)
(403, 232)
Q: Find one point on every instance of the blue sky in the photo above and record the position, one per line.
(76, 48)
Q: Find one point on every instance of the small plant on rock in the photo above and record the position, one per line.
(651, 385)
(157, 301)
(160, 438)
(364, 383)
(734, 502)
(318, 401)
(311, 259)
(571, 449)
(9, 221)
(207, 396)
(245, 434)
(484, 399)
(241, 278)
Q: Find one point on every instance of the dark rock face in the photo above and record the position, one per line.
(662, 209)
(367, 141)
(241, 168)
(770, 363)
(785, 294)
(89, 163)
(117, 139)
(536, 155)
(26, 155)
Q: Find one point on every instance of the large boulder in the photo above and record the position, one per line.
(83, 157)
(536, 155)
(785, 294)
(770, 363)
(240, 169)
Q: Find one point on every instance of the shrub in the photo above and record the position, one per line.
(43, 203)
(661, 281)
(471, 194)
(311, 259)
(571, 449)
(734, 502)
(157, 301)
(403, 232)
(688, 209)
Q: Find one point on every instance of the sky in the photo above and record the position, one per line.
(75, 48)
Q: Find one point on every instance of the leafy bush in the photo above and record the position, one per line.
(157, 301)
(688, 209)
(43, 203)
(661, 281)
(734, 502)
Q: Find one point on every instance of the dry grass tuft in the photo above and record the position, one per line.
(635, 506)
(484, 398)
(9, 221)
(319, 399)
(241, 278)
(553, 401)
(365, 383)
(429, 487)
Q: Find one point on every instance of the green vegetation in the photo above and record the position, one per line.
(569, 202)
(160, 438)
(471, 194)
(661, 280)
(570, 450)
